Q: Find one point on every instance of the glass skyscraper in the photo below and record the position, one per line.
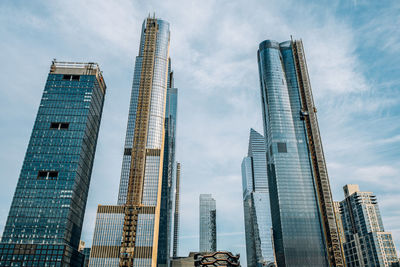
(168, 181)
(45, 220)
(257, 212)
(137, 231)
(366, 243)
(303, 219)
(208, 223)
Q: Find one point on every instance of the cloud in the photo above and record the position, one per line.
(383, 28)
(379, 175)
(213, 51)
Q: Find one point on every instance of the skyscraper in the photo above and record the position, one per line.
(304, 226)
(257, 211)
(366, 242)
(46, 215)
(208, 224)
(168, 181)
(176, 212)
(136, 232)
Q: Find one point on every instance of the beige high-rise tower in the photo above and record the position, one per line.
(127, 234)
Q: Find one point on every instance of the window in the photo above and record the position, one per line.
(47, 175)
(282, 148)
(59, 125)
(71, 77)
(128, 151)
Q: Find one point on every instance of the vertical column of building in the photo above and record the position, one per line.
(247, 186)
(142, 208)
(176, 213)
(49, 203)
(208, 227)
(297, 230)
(320, 173)
(256, 203)
(168, 180)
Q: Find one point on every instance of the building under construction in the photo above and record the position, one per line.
(132, 232)
(302, 211)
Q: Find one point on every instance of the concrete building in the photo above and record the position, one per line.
(183, 261)
(366, 243)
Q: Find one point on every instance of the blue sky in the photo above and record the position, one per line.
(352, 50)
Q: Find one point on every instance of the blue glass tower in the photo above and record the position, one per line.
(304, 226)
(168, 181)
(45, 220)
(257, 212)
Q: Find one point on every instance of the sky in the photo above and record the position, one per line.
(352, 50)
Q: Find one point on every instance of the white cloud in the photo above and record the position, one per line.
(213, 50)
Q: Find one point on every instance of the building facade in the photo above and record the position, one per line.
(183, 261)
(143, 236)
(304, 225)
(257, 211)
(176, 212)
(366, 242)
(208, 225)
(168, 175)
(45, 220)
(107, 236)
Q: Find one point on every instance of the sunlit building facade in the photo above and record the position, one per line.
(257, 212)
(366, 242)
(302, 211)
(145, 198)
(45, 220)
(208, 225)
(107, 236)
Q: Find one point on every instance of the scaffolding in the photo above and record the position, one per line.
(308, 114)
(133, 206)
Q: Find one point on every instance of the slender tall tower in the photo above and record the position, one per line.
(46, 215)
(168, 181)
(366, 242)
(257, 211)
(303, 218)
(176, 213)
(136, 232)
(208, 225)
